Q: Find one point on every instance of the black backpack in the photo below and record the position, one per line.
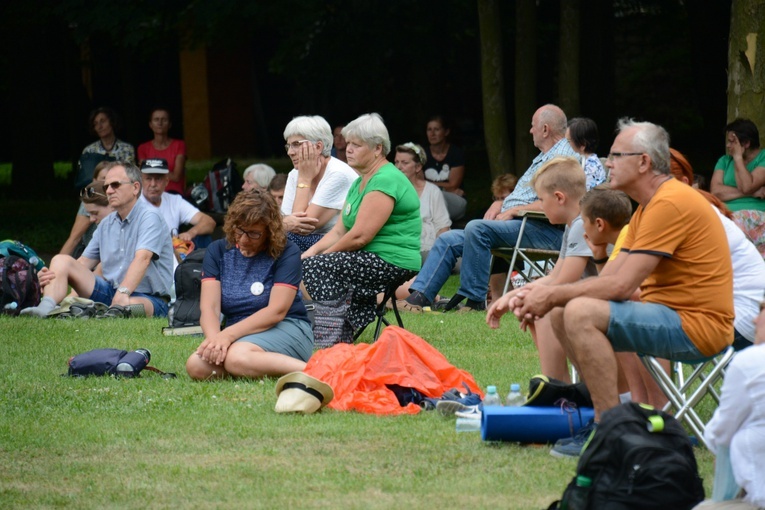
(188, 288)
(19, 286)
(638, 458)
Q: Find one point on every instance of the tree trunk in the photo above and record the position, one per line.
(493, 88)
(568, 77)
(746, 62)
(525, 81)
(29, 97)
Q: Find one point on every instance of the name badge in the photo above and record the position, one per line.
(257, 289)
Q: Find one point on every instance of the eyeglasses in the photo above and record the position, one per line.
(238, 232)
(90, 192)
(294, 145)
(115, 185)
(612, 155)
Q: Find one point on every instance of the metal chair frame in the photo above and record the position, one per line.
(685, 393)
(389, 294)
(539, 260)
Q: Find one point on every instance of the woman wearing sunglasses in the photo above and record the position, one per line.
(83, 227)
(252, 278)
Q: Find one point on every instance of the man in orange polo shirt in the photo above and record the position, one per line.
(676, 255)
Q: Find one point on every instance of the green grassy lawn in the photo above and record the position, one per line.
(156, 443)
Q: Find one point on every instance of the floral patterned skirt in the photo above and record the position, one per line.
(332, 275)
(752, 222)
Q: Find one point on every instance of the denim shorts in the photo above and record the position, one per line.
(291, 337)
(650, 328)
(103, 292)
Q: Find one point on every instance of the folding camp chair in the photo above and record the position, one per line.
(539, 261)
(685, 393)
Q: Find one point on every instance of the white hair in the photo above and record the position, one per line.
(313, 128)
(651, 138)
(261, 174)
(370, 129)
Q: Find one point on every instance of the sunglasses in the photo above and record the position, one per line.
(115, 185)
(90, 192)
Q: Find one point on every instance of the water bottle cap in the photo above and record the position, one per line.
(583, 481)
(515, 387)
(491, 389)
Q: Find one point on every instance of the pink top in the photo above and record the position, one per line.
(176, 147)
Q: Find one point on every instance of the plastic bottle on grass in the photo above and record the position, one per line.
(515, 398)
(491, 398)
(468, 425)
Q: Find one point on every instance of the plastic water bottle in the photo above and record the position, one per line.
(468, 425)
(491, 398)
(515, 398)
(133, 363)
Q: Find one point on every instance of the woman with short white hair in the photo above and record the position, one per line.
(377, 241)
(258, 176)
(316, 187)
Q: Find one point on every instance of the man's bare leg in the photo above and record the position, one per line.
(67, 272)
(581, 330)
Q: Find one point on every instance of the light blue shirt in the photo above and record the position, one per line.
(116, 241)
(524, 193)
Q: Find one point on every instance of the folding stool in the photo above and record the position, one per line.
(389, 294)
(684, 394)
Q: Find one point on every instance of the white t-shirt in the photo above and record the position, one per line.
(739, 421)
(748, 277)
(434, 215)
(330, 193)
(175, 211)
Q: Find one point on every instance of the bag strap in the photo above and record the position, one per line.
(165, 375)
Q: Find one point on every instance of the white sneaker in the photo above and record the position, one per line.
(473, 413)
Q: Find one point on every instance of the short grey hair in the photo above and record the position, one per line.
(261, 173)
(313, 128)
(131, 170)
(371, 129)
(651, 139)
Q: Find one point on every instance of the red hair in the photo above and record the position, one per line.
(679, 167)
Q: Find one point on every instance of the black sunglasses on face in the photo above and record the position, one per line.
(115, 185)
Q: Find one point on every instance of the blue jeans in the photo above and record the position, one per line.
(103, 292)
(474, 245)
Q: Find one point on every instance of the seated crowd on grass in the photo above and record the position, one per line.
(340, 232)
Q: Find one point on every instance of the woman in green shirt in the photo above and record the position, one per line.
(739, 178)
(377, 241)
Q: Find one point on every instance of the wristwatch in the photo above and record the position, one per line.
(123, 290)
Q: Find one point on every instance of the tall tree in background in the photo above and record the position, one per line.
(525, 80)
(746, 61)
(568, 68)
(493, 89)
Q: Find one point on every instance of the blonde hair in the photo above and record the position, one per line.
(561, 174)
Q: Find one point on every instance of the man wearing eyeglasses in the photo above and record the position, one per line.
(174, 209)
(134, 249)
(675, 254)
